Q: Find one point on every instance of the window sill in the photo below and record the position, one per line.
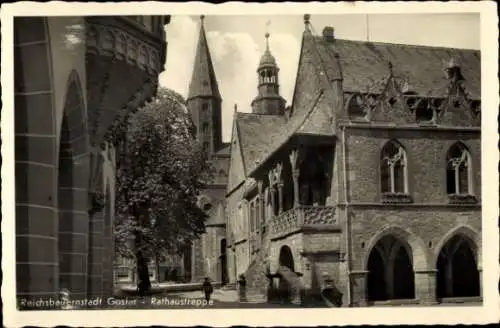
(396, 198)
(462, 199)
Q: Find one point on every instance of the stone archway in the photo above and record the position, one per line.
(286, 258)
(73, 173)
(36, 160)
(390, 270)
(288, 281)
(457, 269)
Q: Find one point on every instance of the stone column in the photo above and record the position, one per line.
(295, 175)
(296, 198)
(358, 281)
(260, 215)
(271, 176)
(425, 286)
(280, 195)
(278, 180)
(96, 226)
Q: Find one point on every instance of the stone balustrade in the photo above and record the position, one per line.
(294, 219)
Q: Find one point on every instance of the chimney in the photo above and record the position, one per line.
(328, 33)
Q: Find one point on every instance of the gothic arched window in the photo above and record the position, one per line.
(458, 170)
(393, 169)
(205, 128)
(206, 147)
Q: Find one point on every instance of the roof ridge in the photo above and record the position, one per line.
(259, 115)
(238, 133)
(310, 111)
(320, 38)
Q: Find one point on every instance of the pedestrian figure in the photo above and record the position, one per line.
(207, 289)
(242, 288)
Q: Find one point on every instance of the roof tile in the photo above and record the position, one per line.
(365, 63)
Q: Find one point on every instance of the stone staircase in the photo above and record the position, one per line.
(230, 286)
(290, 285)
(255, 275)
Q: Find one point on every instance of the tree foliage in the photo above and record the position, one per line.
(160, 169)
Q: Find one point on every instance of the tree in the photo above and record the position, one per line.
(160, 171)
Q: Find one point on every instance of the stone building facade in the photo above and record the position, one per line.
(368, 184)
(73, 75)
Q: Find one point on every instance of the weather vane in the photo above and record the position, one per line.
(267, 33)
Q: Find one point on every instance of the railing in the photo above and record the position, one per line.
(295, 218)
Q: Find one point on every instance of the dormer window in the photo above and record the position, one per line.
(423, 111)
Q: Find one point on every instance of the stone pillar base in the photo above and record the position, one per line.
(425, 286)
(357, 279)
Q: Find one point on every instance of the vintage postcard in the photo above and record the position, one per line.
(249, 164)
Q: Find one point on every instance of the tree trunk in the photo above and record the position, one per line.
(157, 267)
(143, 282)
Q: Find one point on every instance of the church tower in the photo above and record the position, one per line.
(268, 100)
(204, 100)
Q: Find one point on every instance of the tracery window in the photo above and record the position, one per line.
(393, 169)
(458, 171)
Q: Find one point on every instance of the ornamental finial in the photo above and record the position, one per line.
(307, 18)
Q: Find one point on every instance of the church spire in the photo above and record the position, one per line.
(203, 81)
(204, 101)
(268, 100)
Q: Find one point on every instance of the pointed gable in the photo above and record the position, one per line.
(236, 166)
(203, 81)
(319, 121)
(308, 79)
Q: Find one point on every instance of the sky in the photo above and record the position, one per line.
(237, 42)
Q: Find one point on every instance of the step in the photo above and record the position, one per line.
(256, 298)
(230, 286)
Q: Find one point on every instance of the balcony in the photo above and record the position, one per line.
(295, 219)
(123, 61)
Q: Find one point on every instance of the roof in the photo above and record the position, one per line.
(257, 132)
(365, 65)
(220, 167)
(267, 58)
(261, 135)
(216, 213)
(225, 150)
(203, 81)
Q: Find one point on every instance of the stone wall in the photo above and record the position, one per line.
(426, 154)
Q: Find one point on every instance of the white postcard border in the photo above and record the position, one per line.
(488, 313)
